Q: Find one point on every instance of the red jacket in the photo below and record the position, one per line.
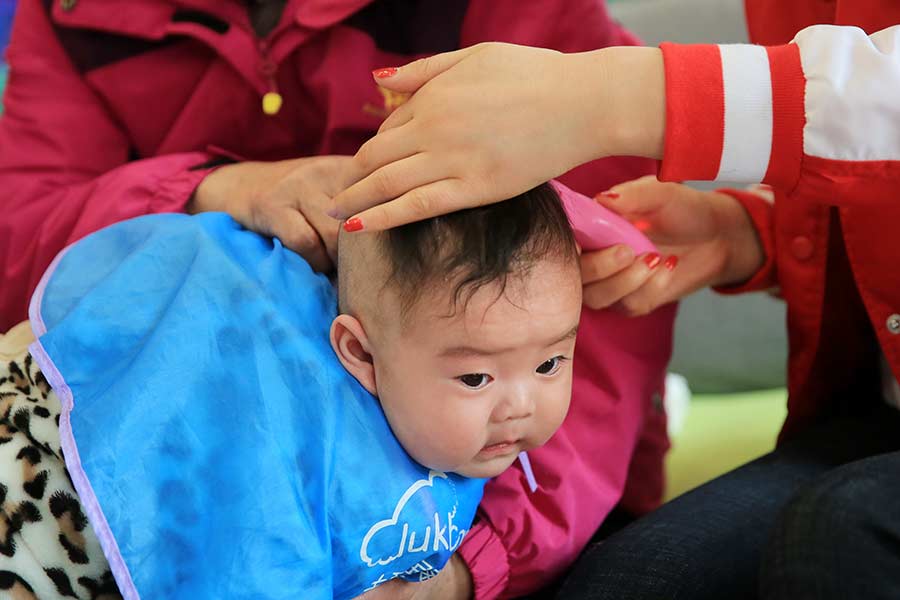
(819, 119)
(115, 107)
(112, 107)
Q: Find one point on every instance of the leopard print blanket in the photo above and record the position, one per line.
(47, 548)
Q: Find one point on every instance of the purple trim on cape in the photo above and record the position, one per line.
(38, 327)
(67, 440)
(529, 473)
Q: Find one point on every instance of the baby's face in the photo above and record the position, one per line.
(466, 393)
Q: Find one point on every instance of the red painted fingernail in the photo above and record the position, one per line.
(652, 260)
(671, 262)
(764, 186)
(608, 195)
(385, 72)
(354, 224)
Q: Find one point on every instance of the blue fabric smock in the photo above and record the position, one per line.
(218, 446)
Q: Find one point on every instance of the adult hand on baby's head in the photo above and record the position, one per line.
(484, 124)
(453, 583)
(704, 238)
(287, 199)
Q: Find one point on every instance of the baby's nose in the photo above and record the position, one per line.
(518, 404)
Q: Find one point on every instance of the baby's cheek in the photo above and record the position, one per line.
(462, 430)
(442, 435)
(553, 412)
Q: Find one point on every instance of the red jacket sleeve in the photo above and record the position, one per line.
(761, 213)
(64, 163)
(811, 117)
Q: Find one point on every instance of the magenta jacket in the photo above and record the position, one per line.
(119, 108)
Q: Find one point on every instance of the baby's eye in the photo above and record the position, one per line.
(549, 367)
(475, 381)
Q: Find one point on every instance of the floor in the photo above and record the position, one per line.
(723, 431)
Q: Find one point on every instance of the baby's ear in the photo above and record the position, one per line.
(350, 343)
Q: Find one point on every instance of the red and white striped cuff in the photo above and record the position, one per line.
(733, 113)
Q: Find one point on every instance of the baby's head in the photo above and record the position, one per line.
(464, 327)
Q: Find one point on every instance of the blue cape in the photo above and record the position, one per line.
(219, 447)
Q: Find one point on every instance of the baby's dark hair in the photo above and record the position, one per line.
(475, 247)
(469, 249)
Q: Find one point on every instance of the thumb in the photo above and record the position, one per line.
(296, 233)
(637, 197)
(409, 78)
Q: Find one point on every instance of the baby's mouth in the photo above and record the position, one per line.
(500, 449)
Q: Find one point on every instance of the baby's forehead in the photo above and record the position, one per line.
(450, 305)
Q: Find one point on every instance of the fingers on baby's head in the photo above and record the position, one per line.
(458, 253)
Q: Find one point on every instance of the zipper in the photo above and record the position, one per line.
(271, 100)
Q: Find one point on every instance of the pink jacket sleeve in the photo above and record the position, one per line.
(64, 163)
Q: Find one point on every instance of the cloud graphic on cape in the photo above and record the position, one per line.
(392, 533)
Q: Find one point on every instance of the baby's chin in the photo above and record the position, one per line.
(485, 469)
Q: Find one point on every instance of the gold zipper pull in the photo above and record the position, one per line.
(271, 103)
(271, 100)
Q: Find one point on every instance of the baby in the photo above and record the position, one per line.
(464, 327)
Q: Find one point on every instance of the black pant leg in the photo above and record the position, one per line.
(839, 537)
(708, 543)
